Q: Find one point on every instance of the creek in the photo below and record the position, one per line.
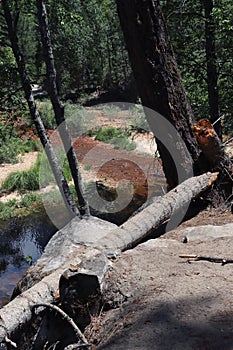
(22, 241)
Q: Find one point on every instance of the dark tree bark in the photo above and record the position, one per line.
(60, 179)
(57, 106)
(157, 75)
(212, 75)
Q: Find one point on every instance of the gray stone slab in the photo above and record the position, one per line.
(207, 232)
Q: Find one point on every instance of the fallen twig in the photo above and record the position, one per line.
(76, 346)
(222, 261)
(7, 340)
(77, 331)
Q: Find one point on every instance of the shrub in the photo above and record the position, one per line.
(45, 172)
(6, 211)
(15, 208)
(79, 119)
(29, 199)
(116, 137)
(22, 181)
(139, 122)
(29, 180)
(87, 167)
(47, 114)
(11, 145)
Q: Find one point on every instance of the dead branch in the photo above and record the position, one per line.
(67, 318)
(222, 261)
(75, 346)
(8, 341)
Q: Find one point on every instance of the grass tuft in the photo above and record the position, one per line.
(29, 180)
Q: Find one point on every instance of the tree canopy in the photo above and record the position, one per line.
(90, 52)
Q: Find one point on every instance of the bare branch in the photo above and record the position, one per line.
(67, 318)
(222, 261)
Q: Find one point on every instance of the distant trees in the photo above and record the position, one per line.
(51, 78)
(11, 24)
(211, 65)
(94, 53)
(161, 89)
(201, 34)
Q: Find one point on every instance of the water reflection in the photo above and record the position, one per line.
(20, 238)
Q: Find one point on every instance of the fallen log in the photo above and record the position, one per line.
(75, 260)
(92, 267)
(67, 248)
(140, 225)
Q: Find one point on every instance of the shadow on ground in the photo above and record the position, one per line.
(192, 323)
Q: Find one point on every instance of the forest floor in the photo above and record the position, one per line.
(160, 301)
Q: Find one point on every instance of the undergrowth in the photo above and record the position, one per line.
(40, 173)
(21, 207)
(117, 137)
(11, 145)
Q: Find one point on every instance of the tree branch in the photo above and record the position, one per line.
(67, 318)
(222, 261)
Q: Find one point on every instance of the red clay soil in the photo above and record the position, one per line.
(114, 165)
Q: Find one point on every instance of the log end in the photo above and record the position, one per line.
(204, 131)
(213, 178)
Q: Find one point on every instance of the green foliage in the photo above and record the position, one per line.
(29, 199)
(19, 207)
(87, 167)
(139, 122)
(90, 53)
(79, 120)
(116, 137)
(94, 54)
(11, 145)
(29, 180)
(28, 258)
(6, 211)
(8, 145)
(44, 170)
(186, 25)
(47, 114)
(22, 181)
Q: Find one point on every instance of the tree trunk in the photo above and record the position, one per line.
(212, 75)
(60, 179)
(157, 76)
(58, 108)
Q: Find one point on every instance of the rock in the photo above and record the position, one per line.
(67, 246)
(207, 232)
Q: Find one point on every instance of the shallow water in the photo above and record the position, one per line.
(21, 239)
